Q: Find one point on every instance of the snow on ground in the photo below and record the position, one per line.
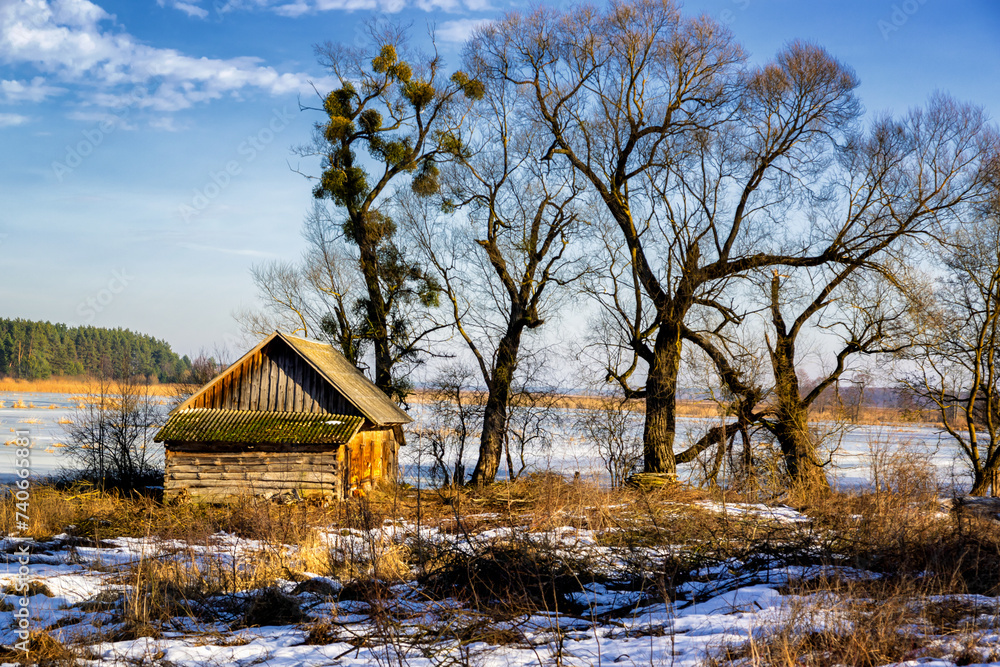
(779, 514)
(723, 605)
(726, 603)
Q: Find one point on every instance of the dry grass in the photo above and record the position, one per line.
(44, 651)
(919, 559)
(710, 409)
(867, 624)
(76, 385)
(896, 532)
(84, 512)
(157, 590)
(877, 415)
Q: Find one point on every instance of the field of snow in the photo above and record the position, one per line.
(81, 587)
(46, 417)
(43, 413)
(614, 622)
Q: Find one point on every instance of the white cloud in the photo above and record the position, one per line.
(36, 90)
(12, 119)
(238, 5)
(191, 9)
(76, 13)
(119, 122)
(69, 40)
(458, 31)
(165, 123)
(390, 6)
(443, 5)
(295, 8)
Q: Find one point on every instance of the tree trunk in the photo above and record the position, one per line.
(495, 412)
(981, 483)
(660, 429)
(375, 310)
(986, 477)
(791, 430)
(791, 424)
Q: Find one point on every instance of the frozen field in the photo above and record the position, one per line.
(83, 586)
(79, 589)
(46, 415)
(850, 452)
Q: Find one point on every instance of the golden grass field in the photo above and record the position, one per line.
(80, 385)
(708, 409)
(867, 415)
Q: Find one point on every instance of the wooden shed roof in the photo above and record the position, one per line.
(242, 426)
(334, 367)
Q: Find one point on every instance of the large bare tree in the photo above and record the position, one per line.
(696, 157)
(901, 181)
(502, 250)
(713, 170)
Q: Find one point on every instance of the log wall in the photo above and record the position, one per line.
(217, 471)
(217, 475)
(275, 379)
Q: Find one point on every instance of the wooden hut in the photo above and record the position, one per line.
(292, 416)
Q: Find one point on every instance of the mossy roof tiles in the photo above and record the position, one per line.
(244, 426)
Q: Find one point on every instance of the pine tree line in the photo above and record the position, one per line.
(39, 350)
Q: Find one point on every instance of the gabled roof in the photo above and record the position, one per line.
(334, 367)
(244, 426)
(349, 381)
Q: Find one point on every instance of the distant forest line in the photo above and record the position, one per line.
(40, 350)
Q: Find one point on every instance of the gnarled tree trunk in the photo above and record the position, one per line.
(495, 411)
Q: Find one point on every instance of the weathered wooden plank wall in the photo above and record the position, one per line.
(275, 379)
(217, 475)
(214, 471)
(371, 456)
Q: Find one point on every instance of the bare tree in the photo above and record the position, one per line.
(691, 153)
(320, 296)
(903, 180)
(533, 415)
(708, 168)
(455, 408)
(501, 252)
(614, 431)
(859, 314)
(204, 368)
(111, 436)
(958, 358)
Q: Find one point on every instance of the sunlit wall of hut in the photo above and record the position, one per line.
(291, 417)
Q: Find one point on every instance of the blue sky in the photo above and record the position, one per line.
(118, 119)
